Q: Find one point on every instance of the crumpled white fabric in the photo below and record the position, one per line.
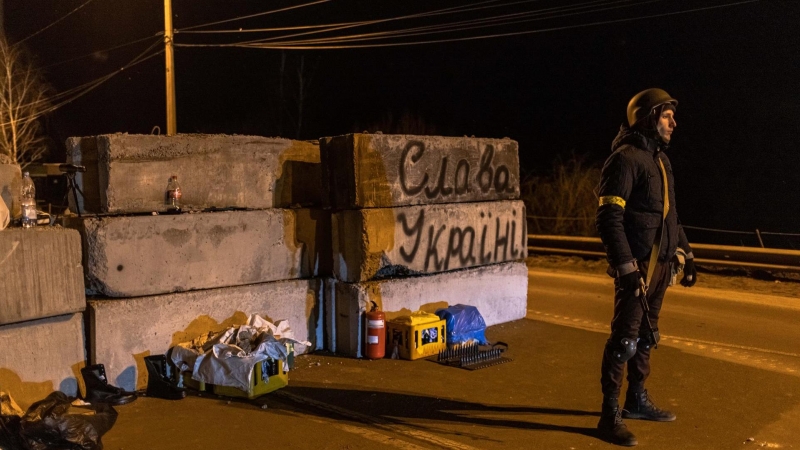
(221, 359)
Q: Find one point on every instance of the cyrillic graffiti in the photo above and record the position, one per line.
(453, 246)
(487, 178)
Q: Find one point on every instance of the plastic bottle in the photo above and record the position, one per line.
(28, 201)
(173, 197)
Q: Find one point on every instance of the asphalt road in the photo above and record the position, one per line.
(762, 331)
(728, 367)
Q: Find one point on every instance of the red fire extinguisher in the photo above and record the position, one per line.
(376, 333)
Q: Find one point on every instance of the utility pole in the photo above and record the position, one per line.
(172, 120)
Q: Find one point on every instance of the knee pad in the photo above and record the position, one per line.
(624, 350)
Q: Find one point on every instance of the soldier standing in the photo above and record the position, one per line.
(646, 248)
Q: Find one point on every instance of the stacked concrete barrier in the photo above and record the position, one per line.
(10, 183)
(422, 223)
(41, 300)
(253, 238)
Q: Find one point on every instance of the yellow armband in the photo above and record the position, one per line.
(612, 200)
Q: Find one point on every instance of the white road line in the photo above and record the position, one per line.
(773, 300)
(738, 354)
(604, 328)
(378, 437)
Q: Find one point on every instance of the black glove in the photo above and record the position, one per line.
(689, 274)
(630, 282)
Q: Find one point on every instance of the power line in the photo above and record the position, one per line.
(70, 91)
(88, 86)
(451, 10)
(254, 15)
(57, 20)
(469, 38)
(472, 24)
(429, 27)
(345, 24)
(160, 33)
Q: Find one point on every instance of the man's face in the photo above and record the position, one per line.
(666, 124)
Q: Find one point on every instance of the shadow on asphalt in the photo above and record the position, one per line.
(400, 408)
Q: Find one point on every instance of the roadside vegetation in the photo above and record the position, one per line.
(23, 101)
(562, 202)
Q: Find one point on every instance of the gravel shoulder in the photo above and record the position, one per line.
(709, 277)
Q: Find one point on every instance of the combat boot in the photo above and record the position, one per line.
(611, 428)
(639, 405)
(99, 391)
(158, 380)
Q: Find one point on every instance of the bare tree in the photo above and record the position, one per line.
(23, 100)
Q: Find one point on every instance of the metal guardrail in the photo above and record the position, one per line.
(771, 259)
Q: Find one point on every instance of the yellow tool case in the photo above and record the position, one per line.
(416, 336)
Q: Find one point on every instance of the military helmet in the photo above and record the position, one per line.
(643, 103)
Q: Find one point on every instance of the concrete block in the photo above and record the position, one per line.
(42, 275)
(129, 256)
(129, 173)
(10, 183)
(380, 170)
(499, 291)
(122, 332)
(41, 356)
(383, 242)
(329, 320)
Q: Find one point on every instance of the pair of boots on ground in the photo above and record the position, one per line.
(638, 405)
(158, 384)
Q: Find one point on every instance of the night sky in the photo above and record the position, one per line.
(735, 71)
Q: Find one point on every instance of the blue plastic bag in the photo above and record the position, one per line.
(464, 324)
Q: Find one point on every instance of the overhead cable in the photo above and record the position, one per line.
(468, 38)
(427, 27)
(58, 20)
(86, 87)
(160, 33)
(464, 25)
(79, 88)
(450, 10)
(252, 15)
(463, 8)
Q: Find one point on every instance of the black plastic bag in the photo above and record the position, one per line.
(54, 424)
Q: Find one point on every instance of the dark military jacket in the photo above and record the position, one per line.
(631, 201)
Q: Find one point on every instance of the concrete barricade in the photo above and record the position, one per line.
(379, 171)
(383, 242)
(10, 183)
(128, 256)
(122, 332)
(40, 273)
(41, 356)
(129, 173)
(499, 291)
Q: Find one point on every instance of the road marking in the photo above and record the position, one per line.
(376, 422)
(378, 437)
(604, 328)
(361, 431)
(725, 295)
(740, 354)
